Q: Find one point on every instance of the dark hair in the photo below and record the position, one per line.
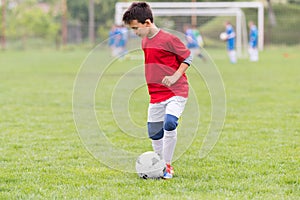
(139, 11)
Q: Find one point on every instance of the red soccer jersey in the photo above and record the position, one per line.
(163, 55)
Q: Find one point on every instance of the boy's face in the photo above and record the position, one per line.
(141, 30)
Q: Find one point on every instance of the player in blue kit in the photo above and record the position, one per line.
(194, 41)
(253, 39)
(230, 42)
(117, 41)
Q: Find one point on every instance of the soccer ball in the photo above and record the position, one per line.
(150, 165)
(223, 36)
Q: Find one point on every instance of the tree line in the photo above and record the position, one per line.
(49, 19)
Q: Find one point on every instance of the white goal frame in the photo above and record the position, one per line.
(206, 9)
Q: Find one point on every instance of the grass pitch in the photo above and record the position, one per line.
(256, 157)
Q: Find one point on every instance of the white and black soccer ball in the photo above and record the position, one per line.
(223, 36)
(150, 165)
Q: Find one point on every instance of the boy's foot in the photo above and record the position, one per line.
(169, 172)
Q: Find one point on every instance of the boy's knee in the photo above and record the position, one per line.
(170, 123)
(155, 130)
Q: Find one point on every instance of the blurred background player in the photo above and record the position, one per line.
(194, 40)
(111, 40)
(230, 42)
(123, 41)
(253, 39)
(117, 41)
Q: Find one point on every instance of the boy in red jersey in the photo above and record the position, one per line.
(166, 60)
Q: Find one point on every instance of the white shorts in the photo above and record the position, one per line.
(173, 106)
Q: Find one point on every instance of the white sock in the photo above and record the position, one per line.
(170, 139)
(232, 56)
(158, 146)
(255, 55)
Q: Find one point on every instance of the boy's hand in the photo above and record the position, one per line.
(170, 80)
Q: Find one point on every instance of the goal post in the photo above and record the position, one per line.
(241, 29)
(207, 9)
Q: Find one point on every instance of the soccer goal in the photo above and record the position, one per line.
(208, 9)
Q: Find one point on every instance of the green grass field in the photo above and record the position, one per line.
(256, 157)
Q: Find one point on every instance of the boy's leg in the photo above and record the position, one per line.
(170, 137)
(155, 126)
(157, 146)
(162, 125)
(174, 109)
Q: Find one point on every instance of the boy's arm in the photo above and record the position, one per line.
(170, 80)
